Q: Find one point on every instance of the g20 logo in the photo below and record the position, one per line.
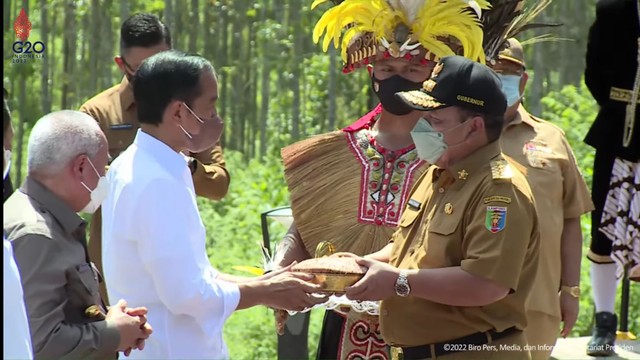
(27, 47)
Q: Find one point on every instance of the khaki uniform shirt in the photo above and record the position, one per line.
(116, 112)
(479, 215)
(560, 193)
(48, 240)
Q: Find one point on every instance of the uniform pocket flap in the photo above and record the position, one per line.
(410, 215)
(445, 224)
(87, 277)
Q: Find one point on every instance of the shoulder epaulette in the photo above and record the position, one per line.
(501, 170)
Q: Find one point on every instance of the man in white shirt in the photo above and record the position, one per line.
(154, 244)
(17, 340)
(16, 337)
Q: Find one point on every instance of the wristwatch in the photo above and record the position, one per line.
(571, 290)
(402, 285)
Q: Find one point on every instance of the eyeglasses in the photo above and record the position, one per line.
(126, 64)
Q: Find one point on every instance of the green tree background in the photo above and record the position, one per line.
(276, 87)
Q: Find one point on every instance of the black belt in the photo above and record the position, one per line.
(457, 345)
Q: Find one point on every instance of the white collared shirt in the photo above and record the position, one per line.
(17, 339)
(154, 254)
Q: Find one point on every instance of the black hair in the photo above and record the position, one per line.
(6, 114)
(165, 77)
(493, 124)
(143, 30)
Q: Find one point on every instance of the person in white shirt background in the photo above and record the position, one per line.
(152, 227)
(15, 326)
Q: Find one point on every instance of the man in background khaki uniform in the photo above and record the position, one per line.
(141, 36)
(66, 164)
(561, 198)
(462, 262)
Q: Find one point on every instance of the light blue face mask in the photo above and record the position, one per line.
(429, 143)
(510, 88)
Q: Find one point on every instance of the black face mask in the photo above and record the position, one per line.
(387, 89)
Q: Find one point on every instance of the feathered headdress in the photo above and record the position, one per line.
(417, 30)
(507, 19)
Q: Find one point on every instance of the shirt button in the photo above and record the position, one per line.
(388, 165)
(386, 176)
(441, 190)
(412, 251)
(384, 187)
(385, 312)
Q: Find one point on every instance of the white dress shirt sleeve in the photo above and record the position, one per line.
(16, 335)
(172, 250)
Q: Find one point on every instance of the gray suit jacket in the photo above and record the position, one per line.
(60, 284)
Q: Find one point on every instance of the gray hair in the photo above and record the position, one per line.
(58, 137)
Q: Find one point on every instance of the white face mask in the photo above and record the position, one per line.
(430, 143)
(510, 88)
(7, 163)
(98, 194)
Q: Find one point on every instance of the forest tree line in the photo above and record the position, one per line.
(276, 85)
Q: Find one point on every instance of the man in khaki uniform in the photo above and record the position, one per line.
(561, 198)
(463, 260)
(66, 161)
(141, 36)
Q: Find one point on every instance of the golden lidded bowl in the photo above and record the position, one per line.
(334, 273)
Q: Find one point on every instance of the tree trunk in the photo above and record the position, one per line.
(222, 50)
(250, 94)
(7, 18)
(21, 124)
(124, 10)
(95, 46)
(264, 83)
(533, 103)
(207, 35)
(237, 116)
(296, 57)
(69, 68)
(193, 26)
(45, 96)
(83, 77)
(168, 15)
(22, 108)
(179, 32)
(52, 54)
(106, 48)
(333, 69)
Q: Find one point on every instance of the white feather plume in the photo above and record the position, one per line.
(410, 8)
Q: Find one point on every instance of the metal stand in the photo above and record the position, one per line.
(624, 333)
(294, 343)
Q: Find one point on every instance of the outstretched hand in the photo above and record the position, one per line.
(294, 291)
(275, 273)
(377, 284)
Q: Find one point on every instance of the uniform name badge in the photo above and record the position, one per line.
(496, 218)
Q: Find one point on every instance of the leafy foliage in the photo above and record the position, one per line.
(233, 237)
